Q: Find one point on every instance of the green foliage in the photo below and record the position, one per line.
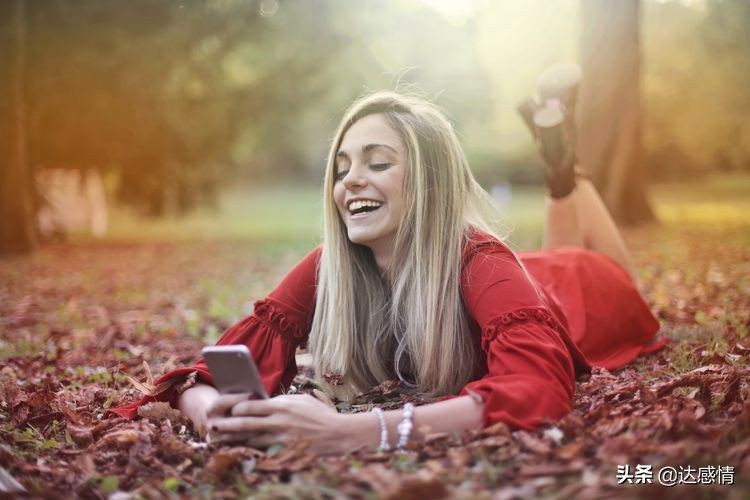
(162, 92)
(172, 484)
(344, 407)
(32, 441)
(108, 484)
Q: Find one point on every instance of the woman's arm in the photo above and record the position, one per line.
(195, 402)
(452, 416)
(286, 419)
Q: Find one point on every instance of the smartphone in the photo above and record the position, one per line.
(234, 370)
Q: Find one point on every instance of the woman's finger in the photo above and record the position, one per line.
(241, 424)
(224, 403)
(254, 407)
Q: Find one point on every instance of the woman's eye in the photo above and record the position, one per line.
(375, 166)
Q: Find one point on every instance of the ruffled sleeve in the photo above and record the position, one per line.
(531, 361)
(279, 324)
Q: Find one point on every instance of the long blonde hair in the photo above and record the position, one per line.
(408, 323)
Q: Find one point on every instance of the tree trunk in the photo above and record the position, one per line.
(610, 142)
(17, 233)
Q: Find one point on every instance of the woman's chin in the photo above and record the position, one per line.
(359, 238)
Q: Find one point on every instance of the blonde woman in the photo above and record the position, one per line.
(412, 283)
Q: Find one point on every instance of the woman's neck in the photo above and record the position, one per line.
(382, 254)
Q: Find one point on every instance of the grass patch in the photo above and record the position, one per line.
(280, 215)
(716, 199)
(277, 213)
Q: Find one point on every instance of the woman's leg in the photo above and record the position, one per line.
(576, 215)
(582, 219)
(561, 226)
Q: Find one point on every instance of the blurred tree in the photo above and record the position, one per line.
(695, 78)
(174, 96)
(16, 194)
(610, 143)
(726, 38)
(672, 54)
(161, 92)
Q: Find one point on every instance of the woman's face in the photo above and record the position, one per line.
(370, 168)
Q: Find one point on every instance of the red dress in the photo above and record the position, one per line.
(542, 320)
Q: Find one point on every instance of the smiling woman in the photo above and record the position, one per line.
(412, 283)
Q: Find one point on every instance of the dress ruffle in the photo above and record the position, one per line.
(530, 372)
(265, 310)
(506, 320)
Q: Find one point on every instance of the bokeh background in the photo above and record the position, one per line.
(212, 118)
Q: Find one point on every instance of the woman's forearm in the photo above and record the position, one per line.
(194, 402)
(451, 416)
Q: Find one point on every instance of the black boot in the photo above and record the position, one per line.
(553, 126)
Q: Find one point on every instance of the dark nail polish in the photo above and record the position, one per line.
(215, 428)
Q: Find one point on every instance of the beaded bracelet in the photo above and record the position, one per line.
(384, 445)
(404, 427)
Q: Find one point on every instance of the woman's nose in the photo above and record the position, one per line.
(355, 177)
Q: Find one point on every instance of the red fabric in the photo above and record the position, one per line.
(607, 317)
(542, 321)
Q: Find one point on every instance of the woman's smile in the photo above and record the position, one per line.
(364, 209)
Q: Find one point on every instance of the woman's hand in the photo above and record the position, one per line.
(261, 423)
(195, 402)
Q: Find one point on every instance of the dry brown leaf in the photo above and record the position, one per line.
(223, 461)
(81, 436)
(149, 389)
(497, 429)
(294, 457)
(531, 442)
(570, 450)
(551, 469)
(160, 411)
(417, 488)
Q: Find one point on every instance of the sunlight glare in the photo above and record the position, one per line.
(454, 11)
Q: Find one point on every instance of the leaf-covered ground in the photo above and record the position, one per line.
(74, 319)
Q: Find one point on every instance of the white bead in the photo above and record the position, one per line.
(384, 445)
(405, 426)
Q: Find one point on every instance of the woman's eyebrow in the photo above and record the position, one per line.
(369, 147)
(366, 149)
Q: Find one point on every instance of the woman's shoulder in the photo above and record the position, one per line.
(312, 257)
(486, 257)
(478, 242)
(302, 276)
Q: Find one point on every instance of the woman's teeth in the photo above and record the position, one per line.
(360, 204)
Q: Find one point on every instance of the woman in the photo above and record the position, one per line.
(412, 283)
